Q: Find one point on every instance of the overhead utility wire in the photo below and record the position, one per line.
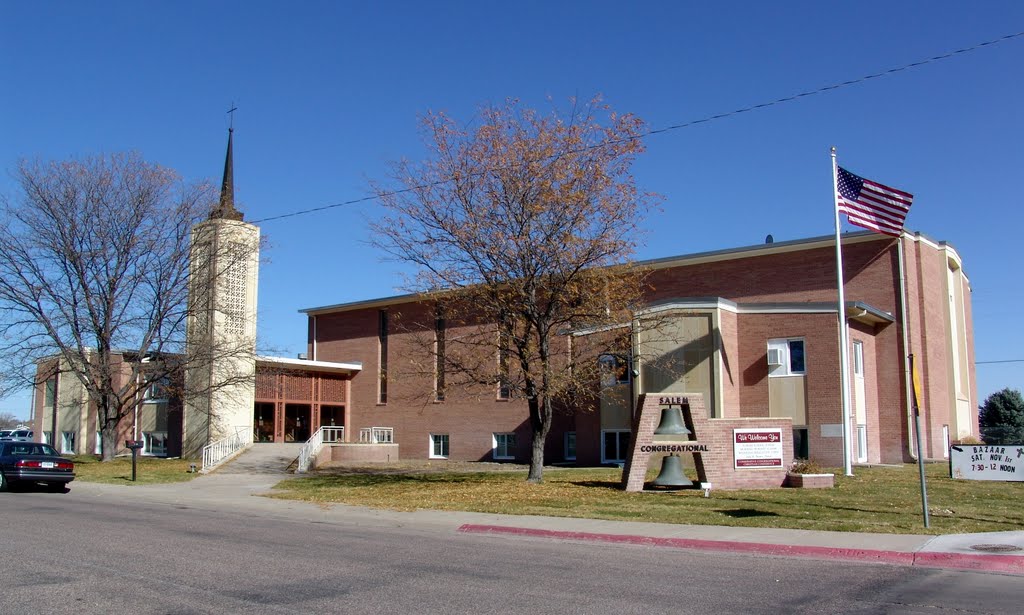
(657, 131)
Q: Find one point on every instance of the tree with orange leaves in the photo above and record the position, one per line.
(524, 226)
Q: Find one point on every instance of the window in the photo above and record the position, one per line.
(439, 446)
(614, 445)
(800, 448)
(858, 359)
(67, 442)
(613, 370)
(98, 449)
(439, 338)
(786, 357)
(154, 443)
(382, 339)
(570, 446)
(157, 390)
(503, 446)
(504, 387)
(48, 437)
(50, 393)
(862, 443)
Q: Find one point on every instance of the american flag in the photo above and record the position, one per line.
(872, 205)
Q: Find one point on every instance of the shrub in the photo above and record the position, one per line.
(1002, 418)
(805, 466)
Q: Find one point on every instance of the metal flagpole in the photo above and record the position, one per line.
(844, 356)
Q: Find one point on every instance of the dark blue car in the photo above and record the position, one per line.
(33, 463)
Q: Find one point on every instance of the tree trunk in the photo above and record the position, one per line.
(108, 430)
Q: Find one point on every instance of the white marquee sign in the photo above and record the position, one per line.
(987, 462)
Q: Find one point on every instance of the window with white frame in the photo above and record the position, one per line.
(48, 437)
(98, 449)
(439, 446)
(786, 357)
(67, 442)
(503, 446)
(570, 446)
(858, 358)
(154, 443)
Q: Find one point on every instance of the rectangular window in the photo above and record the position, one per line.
(439, 446)
(503, 446)
(801, 450)
(154, 442)
(786, 357)
(157, 390)
(98, 449)
(613, 370)
(67, 442)
(570, 446)
(504, 387)
(858, 358)
(50, 393)
(382, 339)
(614, 445)
(47, 437)
(439, 339)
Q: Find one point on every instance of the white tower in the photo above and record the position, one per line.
(221, 332)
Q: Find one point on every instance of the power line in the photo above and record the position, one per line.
(1003, 361)
(704, 120)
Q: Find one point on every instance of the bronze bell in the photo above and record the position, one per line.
(671, 474)
(671, 422)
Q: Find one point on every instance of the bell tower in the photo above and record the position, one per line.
(220, 343)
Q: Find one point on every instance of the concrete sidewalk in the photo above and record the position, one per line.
(257, 470)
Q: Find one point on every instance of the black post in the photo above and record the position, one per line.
(134, 445)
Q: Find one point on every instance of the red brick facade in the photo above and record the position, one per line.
(785, 290)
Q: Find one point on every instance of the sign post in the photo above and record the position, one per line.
(917, 429)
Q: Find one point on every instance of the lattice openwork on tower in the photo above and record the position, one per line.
(235, 291)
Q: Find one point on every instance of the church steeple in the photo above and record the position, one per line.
(225, 210)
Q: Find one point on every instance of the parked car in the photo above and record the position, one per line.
(19, 434)
(34, 462)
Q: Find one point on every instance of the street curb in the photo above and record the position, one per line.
(1011, 564)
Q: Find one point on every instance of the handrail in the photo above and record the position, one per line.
(326, 434)
(217, 452)
(377, 435)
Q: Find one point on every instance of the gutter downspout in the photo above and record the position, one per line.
(56, 389)
(905, 335)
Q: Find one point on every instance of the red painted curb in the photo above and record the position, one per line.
(1000, 563)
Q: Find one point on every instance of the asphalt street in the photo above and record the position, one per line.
(102, 549)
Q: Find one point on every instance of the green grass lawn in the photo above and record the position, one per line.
(148, 471)
(879, 499)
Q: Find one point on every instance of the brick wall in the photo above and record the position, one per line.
(717, 464)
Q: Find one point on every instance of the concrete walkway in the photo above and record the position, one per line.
(259, 468)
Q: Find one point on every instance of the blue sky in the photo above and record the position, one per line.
(329, 92)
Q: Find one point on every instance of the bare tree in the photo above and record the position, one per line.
(9, 421)
(521, 230)
(94, 274)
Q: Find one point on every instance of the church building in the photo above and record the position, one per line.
(753, 330)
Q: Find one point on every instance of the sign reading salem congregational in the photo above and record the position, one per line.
(987, 462)
(757, 448)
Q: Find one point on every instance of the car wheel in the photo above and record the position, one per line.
(4, 484)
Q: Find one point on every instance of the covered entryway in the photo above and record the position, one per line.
(296, 422)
